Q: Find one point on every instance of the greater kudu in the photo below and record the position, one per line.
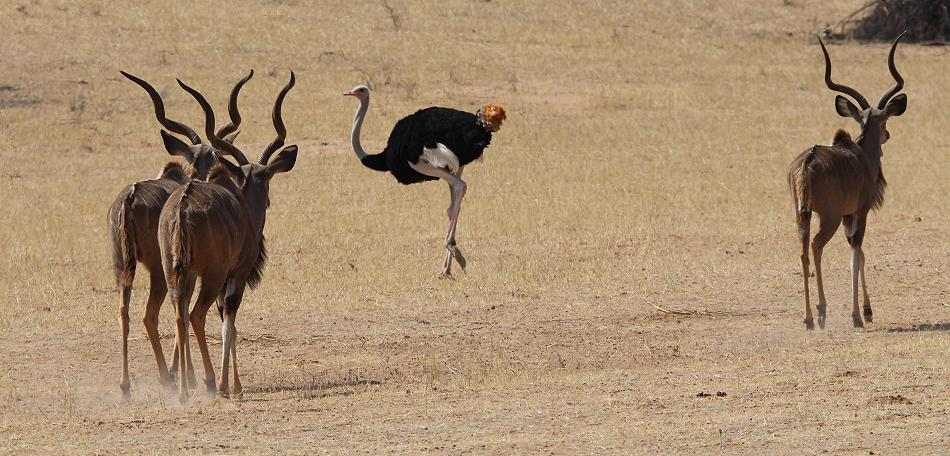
(844, 181)
(215, 230)
(133, 223)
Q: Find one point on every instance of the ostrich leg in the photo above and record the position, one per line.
(457, 187)
(450, 252)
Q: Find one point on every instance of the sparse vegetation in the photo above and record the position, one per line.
(883, 20)
(630, 236)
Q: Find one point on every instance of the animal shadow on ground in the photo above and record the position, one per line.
(917, 327)
(313, 389)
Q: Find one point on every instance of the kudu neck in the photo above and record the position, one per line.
(870, 144)
(256, 198)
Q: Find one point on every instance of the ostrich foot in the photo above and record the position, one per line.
(453, 250)
(446, 272)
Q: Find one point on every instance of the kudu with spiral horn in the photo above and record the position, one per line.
(215, 230)
(133, 223)
(842, 183)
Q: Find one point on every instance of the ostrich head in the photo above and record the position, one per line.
(360, 91)
(491, 116)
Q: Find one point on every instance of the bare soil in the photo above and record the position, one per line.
(633, 286)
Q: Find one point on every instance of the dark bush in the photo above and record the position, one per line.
(926, 21)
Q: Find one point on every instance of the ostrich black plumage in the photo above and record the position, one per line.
(434, 143)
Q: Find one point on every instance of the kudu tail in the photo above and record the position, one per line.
(798, 182)
(180, 243)
(124, 259)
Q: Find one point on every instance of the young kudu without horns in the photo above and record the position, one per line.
(133, 223)
(215, 230)
(842, 182)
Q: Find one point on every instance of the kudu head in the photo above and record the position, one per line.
(873, 120)
(253, 178)
(200, 156)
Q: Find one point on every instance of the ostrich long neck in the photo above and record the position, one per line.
(357, 126)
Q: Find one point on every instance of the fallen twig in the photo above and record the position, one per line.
(692, 312)
(674, 312)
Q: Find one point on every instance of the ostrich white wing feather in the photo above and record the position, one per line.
(440, 157)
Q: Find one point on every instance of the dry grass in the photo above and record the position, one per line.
(642, 165)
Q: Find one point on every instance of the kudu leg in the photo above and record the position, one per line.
(826, 230)
(803, 220)
(180, 304)
(192, 381)
(156, 295)
(868, 313)
(236, 389)
(189, 291)
(855, 272)
(210, 289)
(173, 370)
(856, 238)
(232, 302)
(125, 296)
(180, 296)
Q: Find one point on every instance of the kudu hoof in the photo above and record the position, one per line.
(868, 315)
(223, 392)
(126, 391)
(857, 321)
(821, 322)
(809, 325)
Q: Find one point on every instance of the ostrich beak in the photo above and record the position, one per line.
(350, 94)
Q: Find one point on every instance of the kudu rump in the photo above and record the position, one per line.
(133, 223)
(842, 182)
(215, 230)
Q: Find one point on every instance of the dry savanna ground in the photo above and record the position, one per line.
(642, 168)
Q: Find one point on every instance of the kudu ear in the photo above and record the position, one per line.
(175, 146)
(284, 161)
(846, 108)
(896, 106)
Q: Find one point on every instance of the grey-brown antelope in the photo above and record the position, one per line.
(842, 182)
(215, 230)
(133, 223)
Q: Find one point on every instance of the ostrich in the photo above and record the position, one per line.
(434, 143)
